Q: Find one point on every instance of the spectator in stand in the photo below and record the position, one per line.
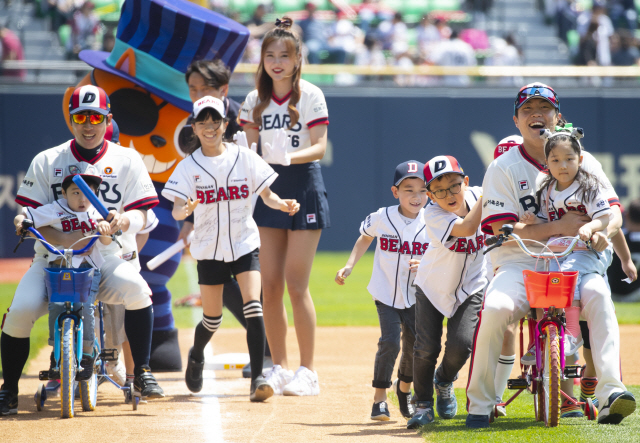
(603, 34)
(454, 52)
(84, 27)
(108, 40)
(315, 35)
(393, 34)
(61, 12)
(445, 30)
(256, 18)
(566, 17)
(428, 36)
(11, 50)
(505, 53)
(346, 35)
(588, 49)
(370, 53)
(623, 14)
(624, 49)
(367, 11)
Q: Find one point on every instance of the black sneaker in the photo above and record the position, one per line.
(87, 363)
(8, 402)
(261, 389)
(404, 400)
(145, 385)
(53, 374)
(193, 374)
(380, 411)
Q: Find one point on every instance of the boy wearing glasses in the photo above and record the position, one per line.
(454, 258)
(128, 192)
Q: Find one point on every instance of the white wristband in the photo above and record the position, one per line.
(136, 221)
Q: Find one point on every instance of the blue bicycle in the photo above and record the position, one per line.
(70, 285)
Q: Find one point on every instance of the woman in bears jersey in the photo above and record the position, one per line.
(289, 116)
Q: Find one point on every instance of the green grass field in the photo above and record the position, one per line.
(351, 305)
(520, 426)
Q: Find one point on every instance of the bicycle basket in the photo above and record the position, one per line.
(68, 284)
(546, 289)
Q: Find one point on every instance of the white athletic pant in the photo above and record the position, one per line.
(121, 283)
(506, 302)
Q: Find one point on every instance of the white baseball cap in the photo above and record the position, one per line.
(208, 102)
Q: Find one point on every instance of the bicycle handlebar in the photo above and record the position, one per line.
(55, 250)
(507, 231)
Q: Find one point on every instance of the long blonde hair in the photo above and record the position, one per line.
(264, 84)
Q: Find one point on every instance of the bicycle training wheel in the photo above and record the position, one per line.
(67, 369)
(551, 377)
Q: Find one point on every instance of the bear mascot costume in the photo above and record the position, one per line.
(144, 77)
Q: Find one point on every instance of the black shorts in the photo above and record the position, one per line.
(304, 183)
(216, 272)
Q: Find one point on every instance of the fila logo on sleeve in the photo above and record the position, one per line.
(524, 185)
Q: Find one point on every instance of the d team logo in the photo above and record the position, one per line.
(413, 167)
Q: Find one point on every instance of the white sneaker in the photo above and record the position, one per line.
(117, 372)
(571, 344)
(278, 377)
(305, 382)
(501, 411)
(529, 359)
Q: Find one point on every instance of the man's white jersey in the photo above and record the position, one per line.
(224, 228)
(452, 268)
(129, 244)
(509, 190)
(60, 217)
(125, 183)
(312, 107)
(392, 280)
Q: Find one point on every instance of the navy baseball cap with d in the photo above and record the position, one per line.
(410, 169)
(440, 165)
(89, 98)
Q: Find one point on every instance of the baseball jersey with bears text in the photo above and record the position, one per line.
(509, 190)
(312, 107)
(224, 228)
(452, 268)
(392, 280)
(60, 217)
(126, 184)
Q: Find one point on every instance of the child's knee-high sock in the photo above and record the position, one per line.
(255, 336)
(204, 331)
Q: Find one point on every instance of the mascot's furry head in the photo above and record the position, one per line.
(144, 74)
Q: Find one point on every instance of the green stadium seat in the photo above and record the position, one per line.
(64, 34)
(573, 40)
(288, 5)
(445, 5)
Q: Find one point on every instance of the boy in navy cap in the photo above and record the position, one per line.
(401, 243)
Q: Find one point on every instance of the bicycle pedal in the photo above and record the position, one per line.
(43, 375)
(573, 371)
(109, 355)
(517, 383)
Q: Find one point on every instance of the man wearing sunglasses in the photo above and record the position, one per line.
(509, 187)
(127, 191)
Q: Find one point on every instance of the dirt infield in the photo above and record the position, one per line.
(222, 411)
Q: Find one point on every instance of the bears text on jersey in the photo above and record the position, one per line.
(73, 224)
(409, 248)
(222, 194)
(557, 215)
(467, 245)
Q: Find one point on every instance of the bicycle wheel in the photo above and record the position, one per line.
(67, 369)
(551, 377)
(89, 392)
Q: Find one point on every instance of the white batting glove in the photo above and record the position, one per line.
(241, 139)
(277, 151)
(254, 147)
